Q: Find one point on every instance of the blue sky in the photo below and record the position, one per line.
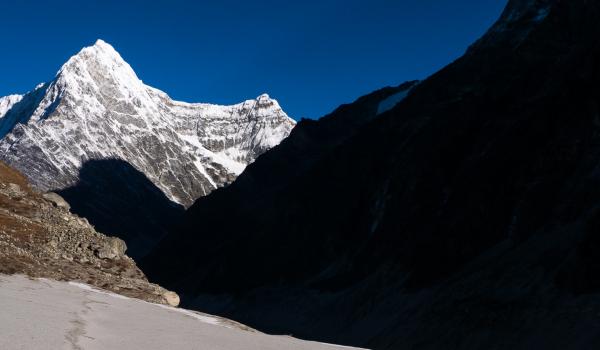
(310, 55)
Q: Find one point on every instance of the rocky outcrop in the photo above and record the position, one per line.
(14, 191)
(113, 249)
(121, 201)
(56, 200)
(39, 237)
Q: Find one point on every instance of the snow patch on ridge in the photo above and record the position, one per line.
(7, 102)
(392, 101)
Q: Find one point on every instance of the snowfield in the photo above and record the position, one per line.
(45, 314)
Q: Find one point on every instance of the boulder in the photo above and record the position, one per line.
(114, 248)
(56, 200)
(171, 298)
(14, 191)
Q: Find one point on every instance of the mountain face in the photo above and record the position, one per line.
(464, 217)
(117, 198)
(97, 108)
(125, 155)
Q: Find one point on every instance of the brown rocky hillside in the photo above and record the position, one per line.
(39, 237)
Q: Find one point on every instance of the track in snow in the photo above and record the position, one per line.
(45, 314)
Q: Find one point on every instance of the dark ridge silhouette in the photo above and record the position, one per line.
(464, 218)
(120, 201)
(268, 204)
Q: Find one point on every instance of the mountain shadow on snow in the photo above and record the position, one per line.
(121, 201)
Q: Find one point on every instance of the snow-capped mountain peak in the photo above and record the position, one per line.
(101, 53)
(101, 69)
(97, 108)
(98, 64)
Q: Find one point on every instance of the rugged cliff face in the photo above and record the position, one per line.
(463, 217)
(39, 237)
(97, 108)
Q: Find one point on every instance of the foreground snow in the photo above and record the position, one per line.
(44, 314)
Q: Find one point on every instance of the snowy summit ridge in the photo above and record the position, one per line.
(97, 108)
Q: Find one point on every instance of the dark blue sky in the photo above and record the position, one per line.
(310, 55)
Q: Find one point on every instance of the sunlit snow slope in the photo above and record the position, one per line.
(44, 314)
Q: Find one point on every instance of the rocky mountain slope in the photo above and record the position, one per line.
(117, 198)
(464, 217)
(39, 237)
(97, 108)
